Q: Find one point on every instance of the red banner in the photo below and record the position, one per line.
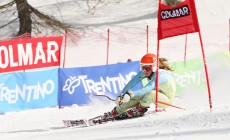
(22, 54)
(177, 20)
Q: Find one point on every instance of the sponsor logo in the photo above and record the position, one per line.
(26, 93)
(70, 84)
(105, 84)
(175, 13)
(188, 78)
(26, 55)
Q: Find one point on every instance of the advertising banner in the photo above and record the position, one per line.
(28, 90)
(177, 20)
(192, 75)
(30, 53)
(77, 84)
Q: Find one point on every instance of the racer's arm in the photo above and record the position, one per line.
(134, 81)
(151, 85)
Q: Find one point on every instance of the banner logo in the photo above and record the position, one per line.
(175, 13)
(70, 84)
(30, 53)
(111, 84)
(187, 78)
(26, 93)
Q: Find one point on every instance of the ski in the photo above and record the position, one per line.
(71, 123)
(90, 122)
(101, 119)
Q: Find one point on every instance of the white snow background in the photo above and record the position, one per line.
(127, 21)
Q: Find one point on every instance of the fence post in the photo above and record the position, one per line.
(107, 58)
(147, 36)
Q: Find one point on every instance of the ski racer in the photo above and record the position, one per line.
(135, 103)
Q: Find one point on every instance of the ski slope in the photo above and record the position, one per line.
(189, 124)
(127, 21)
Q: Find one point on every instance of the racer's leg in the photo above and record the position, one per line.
(130, 104)
(151, 98)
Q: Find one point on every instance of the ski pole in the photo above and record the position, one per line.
(170, 105)
(158, 101)
(102, 96)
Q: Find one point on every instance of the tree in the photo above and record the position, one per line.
(172, 2)
(30, 19)
(25, 21)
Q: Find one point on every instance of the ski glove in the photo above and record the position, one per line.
(123, 98)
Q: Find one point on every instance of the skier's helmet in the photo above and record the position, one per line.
(148, 59)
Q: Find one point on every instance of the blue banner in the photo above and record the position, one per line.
(28, 90)
(77, 84)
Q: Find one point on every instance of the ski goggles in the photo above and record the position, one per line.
(147, 67)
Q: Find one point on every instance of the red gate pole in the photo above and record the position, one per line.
(206, 72)
(147, 36)
(157, 74)
(185, 49)
(65, 48)
(157, 70)
(107, 57)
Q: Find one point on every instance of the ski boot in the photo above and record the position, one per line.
(136, 111)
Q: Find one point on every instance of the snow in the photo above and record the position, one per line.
(175, 124)
(127, 21)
